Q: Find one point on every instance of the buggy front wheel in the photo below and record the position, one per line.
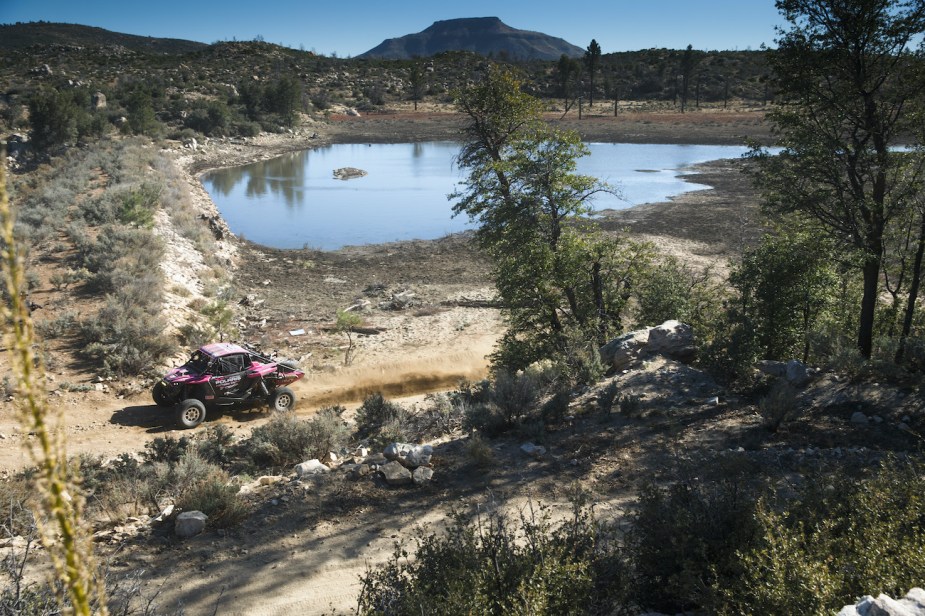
(160, 395)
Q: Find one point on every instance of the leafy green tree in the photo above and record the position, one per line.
(213, 119)
(592, 59)
(672, 290)
(417, 82)
(285, 98)
(346, 323)
(567, 74)
(141, 118)
(843, 75)
(53, 115)
(558, 277)
(915, 278)
(784, 286)
(689, 61)
(250, 94)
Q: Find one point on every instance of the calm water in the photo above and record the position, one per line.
(294, 201)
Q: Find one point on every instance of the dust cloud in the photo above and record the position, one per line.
(399, 379)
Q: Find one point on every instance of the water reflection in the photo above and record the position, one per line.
(294, 201)
(282, 178)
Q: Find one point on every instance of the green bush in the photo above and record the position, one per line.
(685, 539)
(216, 444)
(779, 406)
(514, 394)
(64, 323)
(375, 413)
(486, 419)
(665, 292)
(166, 449)
(217, 497)
(494, 565)
(137, 206)
(841, 539)
(286, 440)
(125, 338)
(630, 404)
(118, 489)
(607, 396)
(556, 408)
(479, 452)
(16, 504)
(443, 415)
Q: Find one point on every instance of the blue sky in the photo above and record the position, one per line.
(350, 28)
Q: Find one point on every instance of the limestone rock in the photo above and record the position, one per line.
(672, 339)
(190, 523)
(311, 467)
(422, 475)
(420, 455)
(534, 451)
(17, 541)
(399, 301)
(772, 368)
(396, 475)
(356, 471)
(268, 480)
(409, 456)
(913, 604)
(165, 513)
(797, 374)
(621, 351)
(376, 459)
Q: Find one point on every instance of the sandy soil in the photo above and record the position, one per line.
(305, 548)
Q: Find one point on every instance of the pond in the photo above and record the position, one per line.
(295, 201)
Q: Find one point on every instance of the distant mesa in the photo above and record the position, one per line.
(482, 35)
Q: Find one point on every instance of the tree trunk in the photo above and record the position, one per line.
(597, 285)
(869, 305)
(913, 293)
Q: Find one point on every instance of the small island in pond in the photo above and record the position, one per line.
(348, 173)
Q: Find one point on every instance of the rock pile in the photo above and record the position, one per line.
(400, 464)
(671, 339)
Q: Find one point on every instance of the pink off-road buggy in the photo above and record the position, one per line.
(226, 375)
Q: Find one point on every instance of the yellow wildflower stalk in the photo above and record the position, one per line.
(64, 535)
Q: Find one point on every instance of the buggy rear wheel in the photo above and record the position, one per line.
(283, 399)
(192, 413)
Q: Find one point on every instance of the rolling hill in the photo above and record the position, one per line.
(23, 35)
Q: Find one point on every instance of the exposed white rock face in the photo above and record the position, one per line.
(913, 604)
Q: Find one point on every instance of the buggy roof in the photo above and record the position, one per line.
(220, 349)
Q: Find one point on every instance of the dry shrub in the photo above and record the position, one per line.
(779, 406)
(286, 440)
